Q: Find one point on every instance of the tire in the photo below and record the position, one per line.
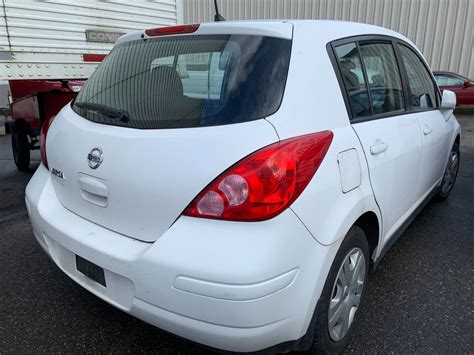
(450, 174)
(21, 150)
(325, 340)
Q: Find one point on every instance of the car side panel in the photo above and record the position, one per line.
(435, 140)
(394, 173)
(311, 106)
(326, 190)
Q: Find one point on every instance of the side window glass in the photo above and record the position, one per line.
(383, 75)
(448, 80)
(355, 86)
(421, 85)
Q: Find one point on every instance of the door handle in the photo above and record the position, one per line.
(378, 147)
(427, 130)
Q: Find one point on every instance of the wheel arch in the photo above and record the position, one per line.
(369, 223)
(366, 216)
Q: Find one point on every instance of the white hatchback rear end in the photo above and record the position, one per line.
(207, 180)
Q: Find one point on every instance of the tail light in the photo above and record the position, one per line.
(264, 183)
(172, 30)
(44, 133)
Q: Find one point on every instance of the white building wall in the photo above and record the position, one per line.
(442, 29)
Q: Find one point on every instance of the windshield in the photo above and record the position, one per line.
(187, 81)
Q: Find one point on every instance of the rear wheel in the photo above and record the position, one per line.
(450, 174)
(342, 294)
(21, 149)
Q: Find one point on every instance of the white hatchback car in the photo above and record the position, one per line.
(234, 182)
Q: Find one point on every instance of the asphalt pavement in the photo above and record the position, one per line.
(419, 300)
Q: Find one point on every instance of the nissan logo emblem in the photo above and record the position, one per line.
(94, 158)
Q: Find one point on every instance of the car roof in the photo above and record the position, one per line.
(326, 30)
(334, 29)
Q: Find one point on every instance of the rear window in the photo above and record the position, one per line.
(187, 81)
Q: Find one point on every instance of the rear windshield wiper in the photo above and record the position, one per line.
(108, 111)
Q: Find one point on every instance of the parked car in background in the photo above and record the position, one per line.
(237, 194)
(463, 87)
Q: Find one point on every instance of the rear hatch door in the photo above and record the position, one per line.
(159, 120)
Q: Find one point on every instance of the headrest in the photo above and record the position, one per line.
(167, 79)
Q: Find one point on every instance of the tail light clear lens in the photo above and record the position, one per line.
(44, 133)
(264, 183)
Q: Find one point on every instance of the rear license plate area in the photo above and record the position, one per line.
(91, 270)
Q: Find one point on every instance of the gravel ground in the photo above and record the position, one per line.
(418, 301)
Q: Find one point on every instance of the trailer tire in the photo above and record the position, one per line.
(21, 149)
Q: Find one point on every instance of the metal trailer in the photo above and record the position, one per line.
(49, 48)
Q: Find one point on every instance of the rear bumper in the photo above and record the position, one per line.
(233, 286)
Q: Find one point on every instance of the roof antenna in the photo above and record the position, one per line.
(217, 17)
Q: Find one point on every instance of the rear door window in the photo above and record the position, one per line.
(187, 81)
(385, 84)
(420, 82)
(354, 79)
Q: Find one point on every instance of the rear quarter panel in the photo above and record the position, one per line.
(313, 102)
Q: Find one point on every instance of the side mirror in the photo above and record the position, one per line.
(467, 83)
(448, 103)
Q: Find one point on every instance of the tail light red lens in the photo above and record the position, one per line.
(44, 133)
(264, 183)
(172, 30)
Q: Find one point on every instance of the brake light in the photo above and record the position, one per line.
(44, 133)
(172, 30)
(264, 183)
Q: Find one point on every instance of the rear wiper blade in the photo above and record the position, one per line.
(108, 111)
